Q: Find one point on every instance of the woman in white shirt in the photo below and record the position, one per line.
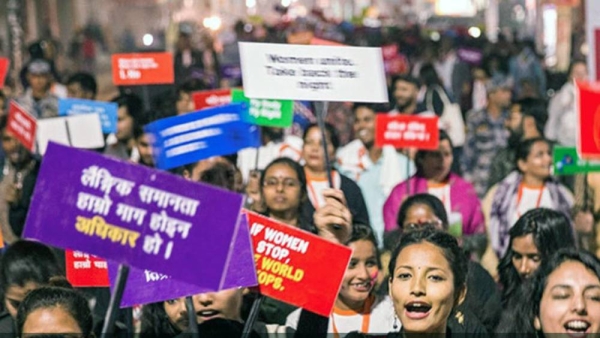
(357, 308)
(530, 187)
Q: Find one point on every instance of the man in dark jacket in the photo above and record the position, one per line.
(17, 180)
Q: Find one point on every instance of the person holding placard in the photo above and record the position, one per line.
(283, 191)
(531, 186)
(357, 308)
(458, 196)
(17, 181)
(316, 174)
(376, 170)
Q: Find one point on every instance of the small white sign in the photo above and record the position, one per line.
(79, 131)
(313, 73)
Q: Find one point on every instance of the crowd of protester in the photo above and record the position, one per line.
(475, 237)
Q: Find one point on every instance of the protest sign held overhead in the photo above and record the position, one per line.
(313, 73)
(211, 98)
(79, 131)
(142, 69)
(106, 110)
(22, 125)
(146, 286)
(133, 215)
(588, 114)
(4, 66)
(85, 270)
(407, 131)
(263, 112)
(188, 138)
(285, 264)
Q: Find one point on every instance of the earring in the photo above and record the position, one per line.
(395, 326)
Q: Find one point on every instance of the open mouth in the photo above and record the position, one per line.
(207, 314)
(577, 328)
(417, 310)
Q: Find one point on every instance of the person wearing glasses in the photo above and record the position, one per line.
(283, 192)
(315, 169)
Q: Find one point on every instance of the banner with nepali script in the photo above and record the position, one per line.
(134, 215)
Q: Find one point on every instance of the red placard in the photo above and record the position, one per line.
(4, 65)
(588, 108)
(290, 268)
(22, 125)
(407, 131)
(86, 271)
(142, 69)
(597, 52)
(211, 98)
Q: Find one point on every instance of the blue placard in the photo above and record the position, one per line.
(189, 138)
(106, 110)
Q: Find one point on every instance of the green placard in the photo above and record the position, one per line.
(264, 112)
(567, 162)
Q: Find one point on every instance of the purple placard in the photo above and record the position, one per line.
(471, 56)
(133, 215)
(145, 286)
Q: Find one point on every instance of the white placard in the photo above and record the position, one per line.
(592, 13)
(86, 131)
(313, 73)
(79, 131)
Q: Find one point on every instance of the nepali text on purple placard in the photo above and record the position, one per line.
(146, 286)
(133, 215)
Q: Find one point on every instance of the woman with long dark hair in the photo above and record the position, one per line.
(533, 239)
(481, 307)
(566, 295)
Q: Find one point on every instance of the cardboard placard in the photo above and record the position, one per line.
(134, 215)
(22, 125)
(79, 131)
(407, 131)
(263, 112)
(189, 138)
(4, 66)
(567, 162)
(588, 113)
(145, 286)
(142, 69)
(85, 270)
(287, 265)
(106, 110)
(313, 73)
(211, 98)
